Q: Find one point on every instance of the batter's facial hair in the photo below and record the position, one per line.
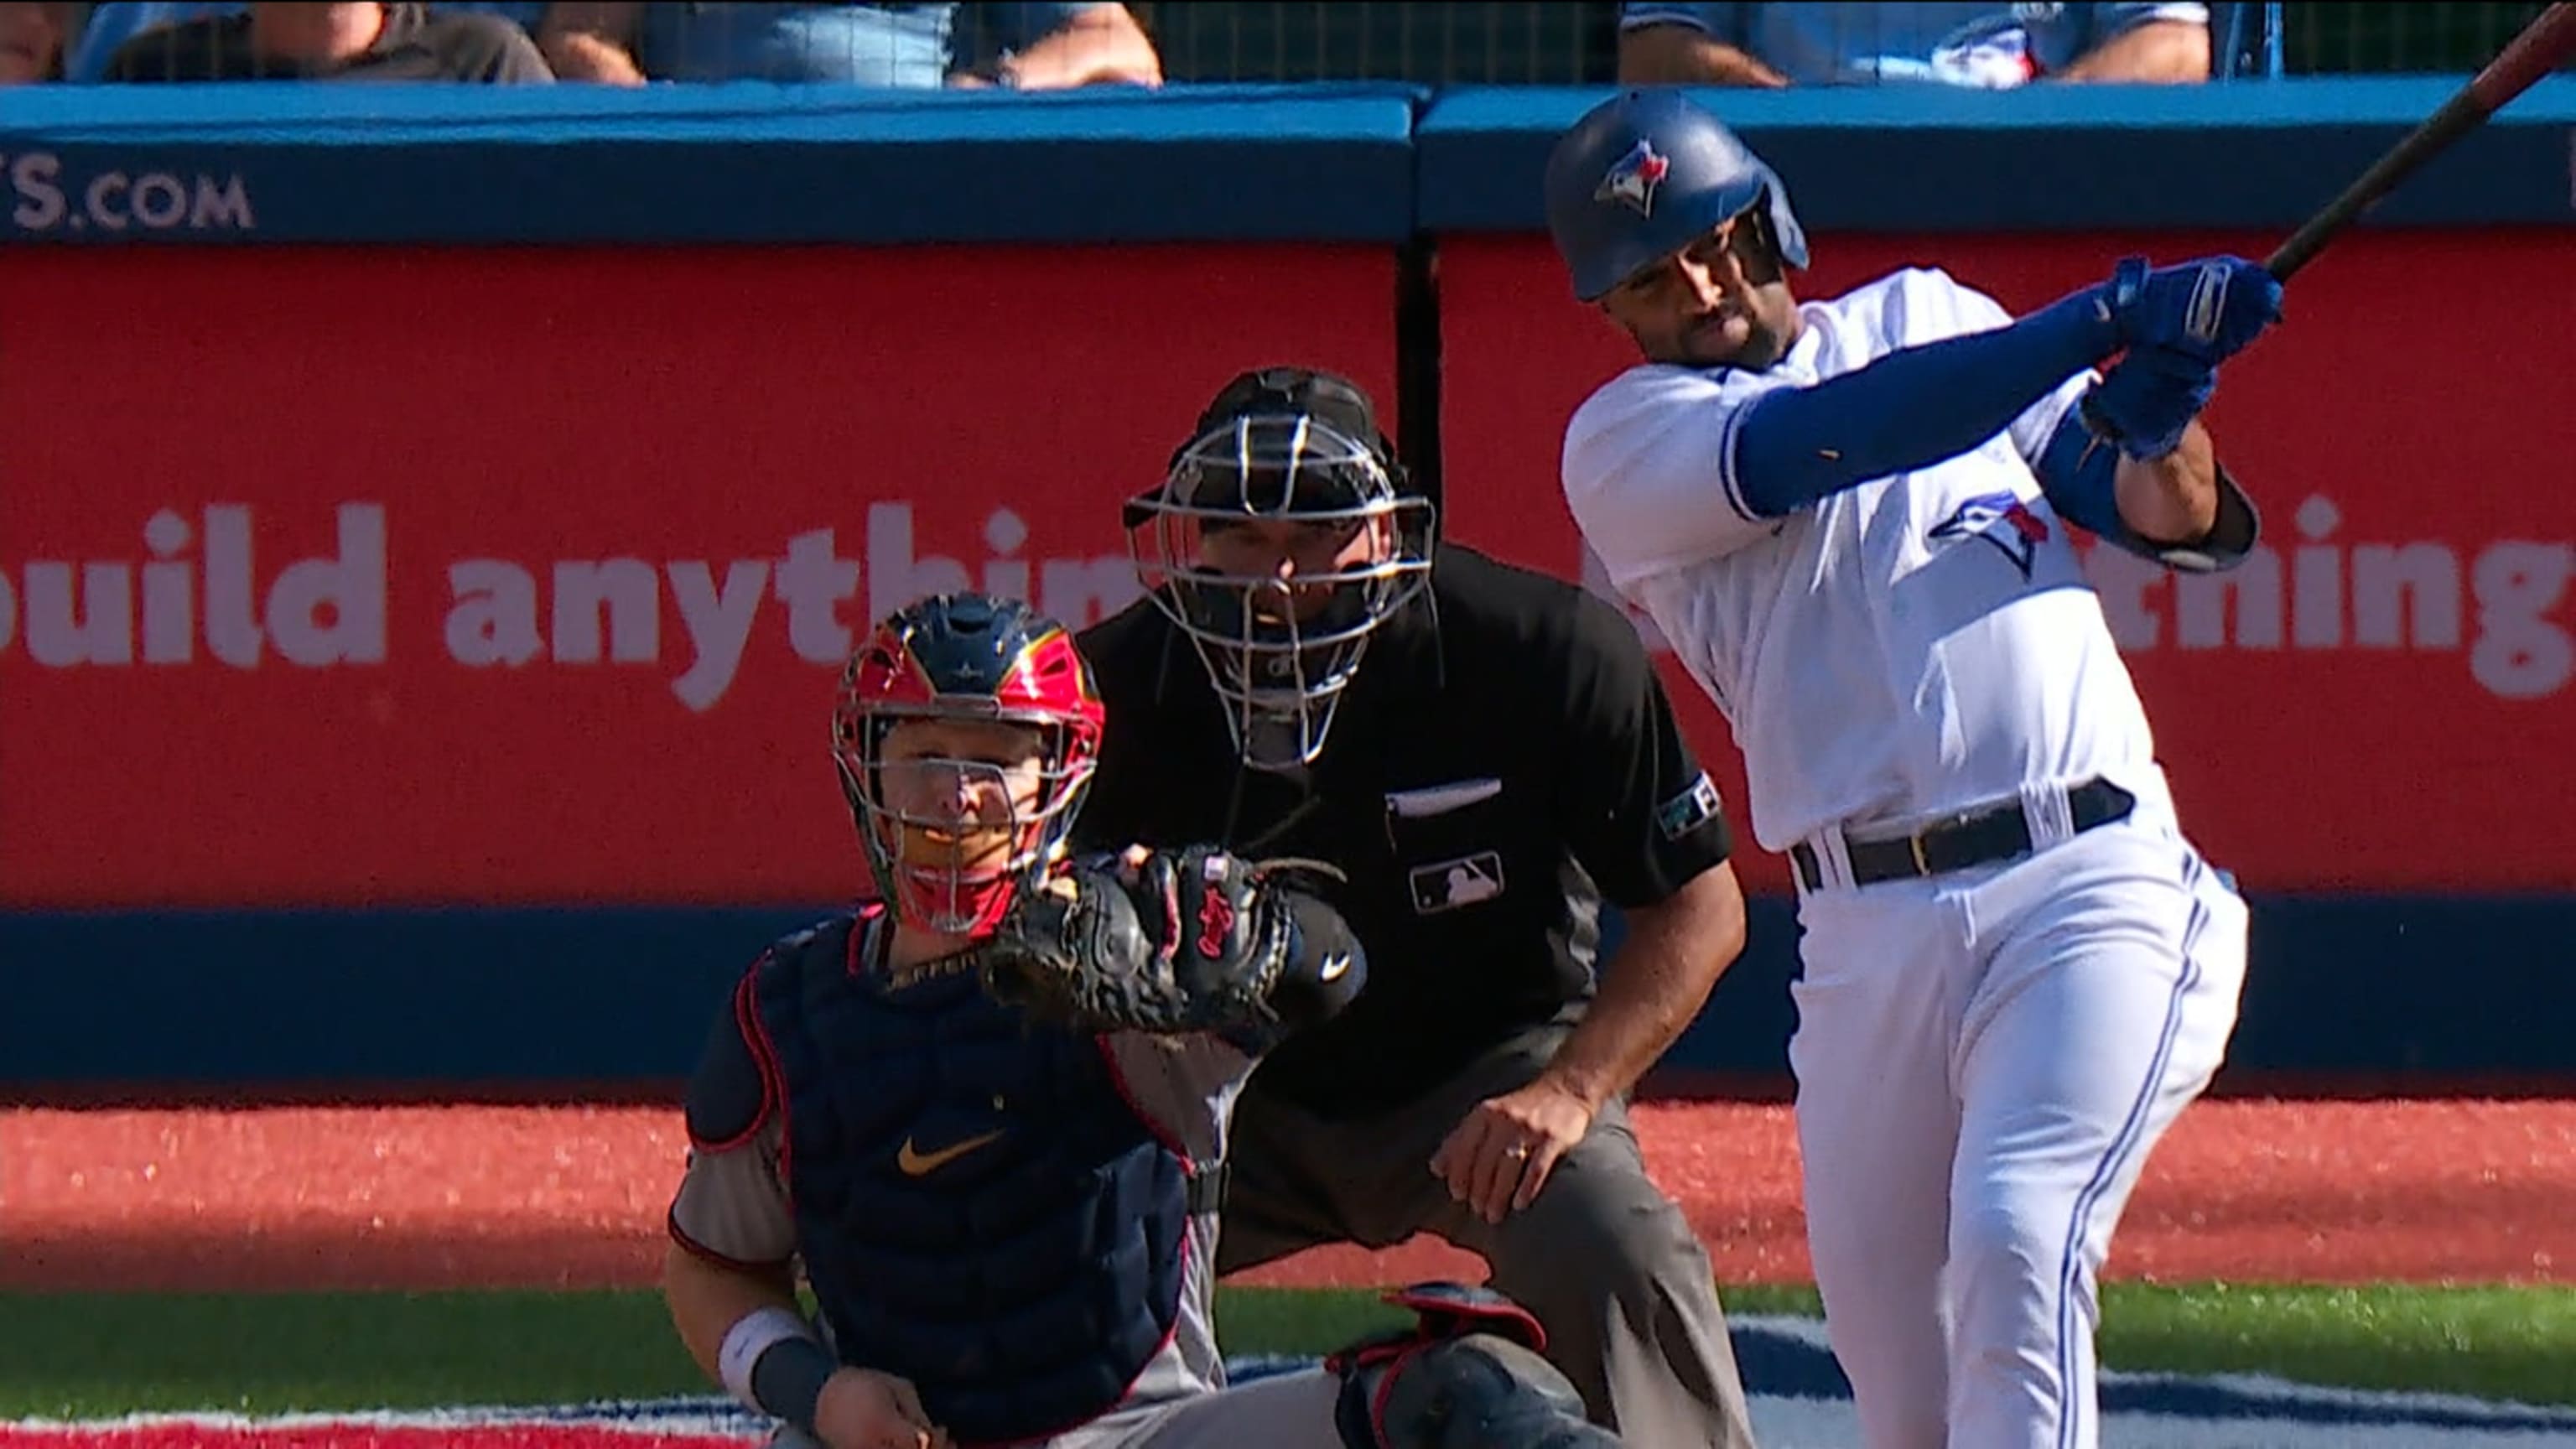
(1763, 348)
(1775, 311)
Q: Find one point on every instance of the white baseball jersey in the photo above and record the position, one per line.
(1911, 646)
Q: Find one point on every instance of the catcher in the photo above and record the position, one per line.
(986, 1112)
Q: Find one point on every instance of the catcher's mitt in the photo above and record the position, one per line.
(1188, 941)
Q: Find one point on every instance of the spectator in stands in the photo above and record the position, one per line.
(1977, 45)
(1017, 46)
(97, 34)
(31, 42)
(359, 42)
(100, 31)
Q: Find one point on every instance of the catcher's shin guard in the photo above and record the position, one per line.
(1467, 1375)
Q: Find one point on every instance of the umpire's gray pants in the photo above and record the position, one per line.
(1604, 1259)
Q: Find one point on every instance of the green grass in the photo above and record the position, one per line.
(2495, 1343)
(84, 1355)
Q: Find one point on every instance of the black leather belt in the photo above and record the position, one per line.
(1207, 1189)
(1980, 837)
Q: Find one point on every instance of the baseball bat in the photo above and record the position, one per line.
(2542, 45)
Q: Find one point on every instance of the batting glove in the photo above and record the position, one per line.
(2147, 400)
(2210, 309)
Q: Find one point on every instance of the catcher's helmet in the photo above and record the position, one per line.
(951, 840)
(1647, 173)
(1281, 618)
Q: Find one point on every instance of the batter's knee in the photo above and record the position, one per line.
(2011, 1264)
(1467, 1375)
(2005, 1240)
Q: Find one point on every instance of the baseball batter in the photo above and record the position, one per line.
(1851, 518)
(987, 1113)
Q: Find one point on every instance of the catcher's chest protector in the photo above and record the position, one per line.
(979, 1209)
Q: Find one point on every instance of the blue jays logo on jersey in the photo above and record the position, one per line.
(2001, 519)
(1632, 179)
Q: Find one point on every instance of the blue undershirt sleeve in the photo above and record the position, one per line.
(1912, 408)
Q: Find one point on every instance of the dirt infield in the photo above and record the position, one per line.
(429, 1197)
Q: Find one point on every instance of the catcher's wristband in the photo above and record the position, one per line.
(772, 1362)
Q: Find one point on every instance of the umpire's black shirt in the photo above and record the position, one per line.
(1490, 778)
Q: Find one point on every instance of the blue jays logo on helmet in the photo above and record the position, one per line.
(2000, 519)
(1632, 179)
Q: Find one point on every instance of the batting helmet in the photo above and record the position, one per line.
(1645, 174)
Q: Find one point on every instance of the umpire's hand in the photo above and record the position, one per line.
(1499, 1157)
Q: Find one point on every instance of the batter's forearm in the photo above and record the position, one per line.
(2172, 499)
(1914, 406)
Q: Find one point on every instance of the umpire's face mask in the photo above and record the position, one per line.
(1279, 546)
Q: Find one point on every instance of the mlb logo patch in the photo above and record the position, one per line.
(1446, 885)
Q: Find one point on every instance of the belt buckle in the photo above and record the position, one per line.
(1914, 846)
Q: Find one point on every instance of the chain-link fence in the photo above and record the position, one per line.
(1463, 42)
(1476, 42)
(2321, 38)
(1493, 42)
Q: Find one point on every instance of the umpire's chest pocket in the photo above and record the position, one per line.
(1452, 843)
